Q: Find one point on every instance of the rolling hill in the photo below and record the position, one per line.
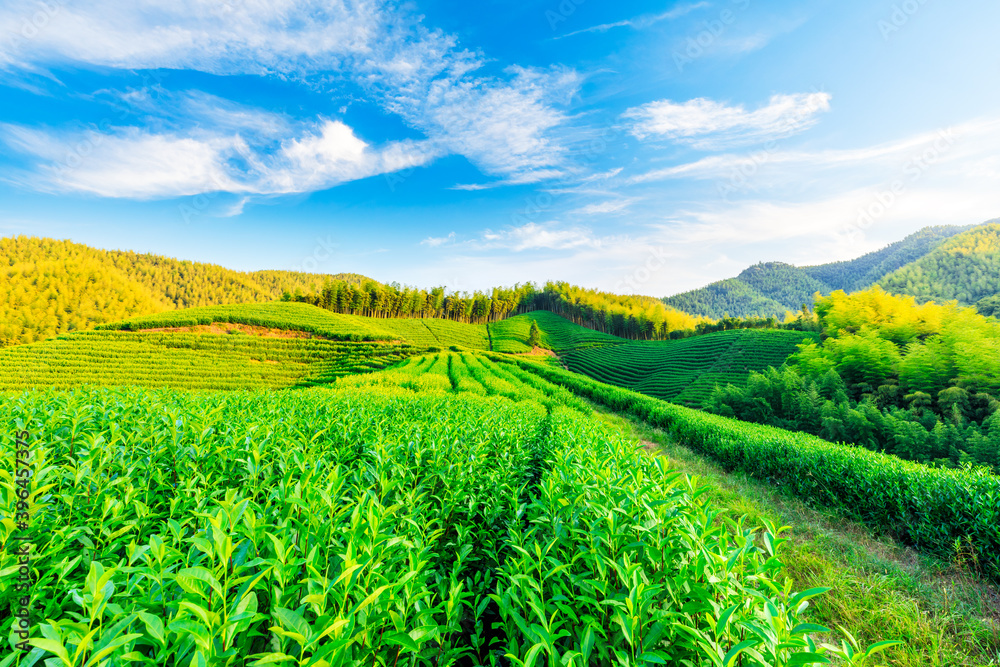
(281, 345)
(686, 371)
(269, 345)
(965, 268)
(48, 287)
(772, 288)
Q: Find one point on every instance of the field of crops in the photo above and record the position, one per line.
(411, 330)
(935, 509)
(558, 334)
(456, 513)
(188, 361)
(685, 371)
(467, 372)
(278, 315)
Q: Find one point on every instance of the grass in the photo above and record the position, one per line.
(945, 612)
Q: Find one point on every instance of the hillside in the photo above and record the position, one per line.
(772, 288)
(509, 335)
(49, 287)
(686, 371)
(269, 345)
(965, 268)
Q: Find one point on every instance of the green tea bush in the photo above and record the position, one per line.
(932, 508)
(374, 525)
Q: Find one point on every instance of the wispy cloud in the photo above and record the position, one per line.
(707, 124)
(641, 22)
(605, 207)
(508, 124)
(862, 161)
(533, 236)
(133, 163)
(435, 241)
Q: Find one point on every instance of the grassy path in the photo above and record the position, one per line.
(945, 613)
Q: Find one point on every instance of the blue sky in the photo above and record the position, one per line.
(636, 147)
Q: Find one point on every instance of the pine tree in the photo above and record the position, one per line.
(534, 335)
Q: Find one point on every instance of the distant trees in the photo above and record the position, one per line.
(966, 268)
(372, 299)
(771, 288)
(921, 381)
(49, 287)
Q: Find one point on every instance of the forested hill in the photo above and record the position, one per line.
(49, 287)
(772, 288)
(965, 268)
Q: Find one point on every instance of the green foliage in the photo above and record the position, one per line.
(931, 508)
(278, 315)
(966, 268)
(918, 381)
(727, 297)
(687, 370)
(774, 288)
(534, 335)
(557, 333)
(372, 525)
(989, 306)
(372, 299)
(632, 317)
(49, 287)
(188, 361)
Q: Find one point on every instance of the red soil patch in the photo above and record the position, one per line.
(536, 351)
(227, 328)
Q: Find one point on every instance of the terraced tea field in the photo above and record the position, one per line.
(557, 333)
(685, 371)
(279, 315)
(188, 361)
(467, 373)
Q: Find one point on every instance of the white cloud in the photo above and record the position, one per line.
(642, 22)
(707, 124)
(533, 236)
(505, 124)
(434, 242)
(605, 207)
(133, 163)
(238, 36)
(978, 136)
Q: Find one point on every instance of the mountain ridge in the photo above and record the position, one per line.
(770, 289)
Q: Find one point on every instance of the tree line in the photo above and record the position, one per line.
(921, 381)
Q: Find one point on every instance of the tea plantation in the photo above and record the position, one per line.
(685, 371)
(408, 497)
(188, 361)
(450, 511)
